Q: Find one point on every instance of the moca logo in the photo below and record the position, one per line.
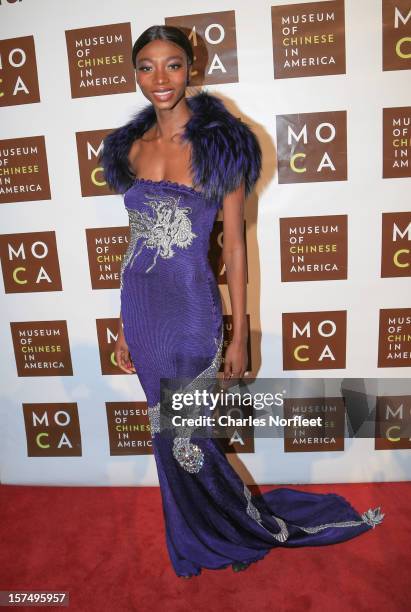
(396, 35)
(312, 147)
(396, 244)
(30, 262)
(52, 430)
(393, 422)
(89, 148)
(314, 340)
(213, 38)
(19, 81)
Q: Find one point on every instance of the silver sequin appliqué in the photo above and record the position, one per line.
(167, 226)
(189, 455)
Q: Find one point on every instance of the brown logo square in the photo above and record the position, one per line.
(106, 248)
(314, 340)
(308, 39)
(19, 79)
(396, 142)
(52, 430)
(128, 428)
(394, 345)
(329, 436)
(396, 244)
(214, 42)
(312, 147)
(30, 262)
(41, 348)
(89, 147)
(313, 248)
(396, 35)
(393, 422)
(24, 175)
(99, 60)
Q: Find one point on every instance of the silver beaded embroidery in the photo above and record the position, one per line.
(370, 517)
(189, 455)
(252, 511)
(154, 418)
(168, 226)
(373, 516)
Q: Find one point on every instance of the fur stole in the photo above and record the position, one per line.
(224, 149)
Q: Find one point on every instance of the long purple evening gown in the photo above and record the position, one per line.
(172, 317)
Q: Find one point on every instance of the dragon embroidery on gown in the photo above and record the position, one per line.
(168, 226)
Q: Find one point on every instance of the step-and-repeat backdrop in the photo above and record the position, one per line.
(326, 87)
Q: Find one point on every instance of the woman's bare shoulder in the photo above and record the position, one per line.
(134, 152)
(140, 147)
(135, 147)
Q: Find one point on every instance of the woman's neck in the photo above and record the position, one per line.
(170, 122)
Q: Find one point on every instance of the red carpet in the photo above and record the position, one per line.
(106, 547)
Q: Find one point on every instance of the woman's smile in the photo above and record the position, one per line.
(163, 95)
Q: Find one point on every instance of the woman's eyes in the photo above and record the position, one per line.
(143, 68)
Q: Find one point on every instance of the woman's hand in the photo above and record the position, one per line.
(122, 355)
(235, 359)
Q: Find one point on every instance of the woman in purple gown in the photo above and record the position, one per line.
(177, 162)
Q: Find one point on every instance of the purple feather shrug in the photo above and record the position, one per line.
(224, 150)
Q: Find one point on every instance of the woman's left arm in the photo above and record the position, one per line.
(235, 359)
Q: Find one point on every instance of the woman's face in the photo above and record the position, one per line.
(161, 72)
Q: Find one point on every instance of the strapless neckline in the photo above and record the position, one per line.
(167, 183)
